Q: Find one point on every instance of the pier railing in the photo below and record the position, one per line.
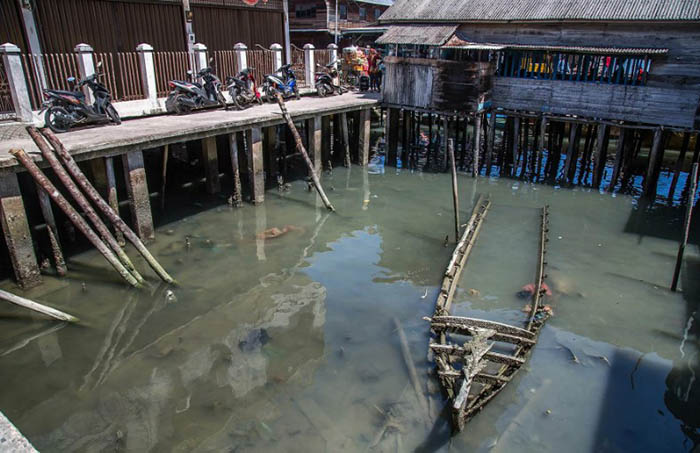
(140, 75)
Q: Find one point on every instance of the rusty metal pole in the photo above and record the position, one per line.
(300, 148)
(113, 216)
(72, 214)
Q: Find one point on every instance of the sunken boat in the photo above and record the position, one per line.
(476, 358)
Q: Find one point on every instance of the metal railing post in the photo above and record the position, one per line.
(148, 72)
(17, 82)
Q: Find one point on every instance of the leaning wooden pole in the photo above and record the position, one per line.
(686, 227)
(411, 367)
(455, 190)
(82, 202)
(104, 207)
(72, 214)
(35, 306)
(302, 150)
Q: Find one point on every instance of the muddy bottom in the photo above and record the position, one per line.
(288, 344)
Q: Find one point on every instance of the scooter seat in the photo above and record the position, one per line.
(79, 94)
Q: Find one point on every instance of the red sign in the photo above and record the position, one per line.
(253, 2)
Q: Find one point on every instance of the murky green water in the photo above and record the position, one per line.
(288, 344)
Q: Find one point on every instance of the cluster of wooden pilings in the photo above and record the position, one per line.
(259, 154)
(541, 148)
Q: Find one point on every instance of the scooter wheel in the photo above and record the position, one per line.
(56, 119)
(113, 114)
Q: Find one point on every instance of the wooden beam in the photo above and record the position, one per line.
(515, 142)
(490, 140)
(255, 159)
(137, 188)
(346, 137)
(679, 166)
(16, 230)
(326, 135)
(619, 154)
(477, 144)
(570, 162)
(391, 135)
(599, 154)
(236, 199)
(649, 185)
(47, 212)
(313, 129)
(210, 160)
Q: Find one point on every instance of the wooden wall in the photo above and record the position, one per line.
(221, 28)
(438, 85)
(680, 67)
(645, 104)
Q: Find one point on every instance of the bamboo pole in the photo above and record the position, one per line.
(686, 227)
(35, 306)
(412, 374)
(113, 216)
(45, 205)
(300, 148)
(455, 190)
(83, 203)
(72, 214)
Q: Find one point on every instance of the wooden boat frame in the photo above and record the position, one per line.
(463, 368)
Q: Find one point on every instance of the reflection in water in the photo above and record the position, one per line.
(287, 344)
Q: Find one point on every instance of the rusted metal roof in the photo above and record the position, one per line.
(541, 10)
(459, 41)
(429, 35)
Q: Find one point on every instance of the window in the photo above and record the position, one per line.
(363, 13)
(613, 69)
(377, 13)
(343, 11)
(305, 11)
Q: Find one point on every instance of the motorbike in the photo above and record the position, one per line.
(187, 96)
(243, 89)
(324, 80)
(283, 81)
(66, 109)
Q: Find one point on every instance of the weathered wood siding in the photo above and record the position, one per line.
(646, 104)
(439, 85)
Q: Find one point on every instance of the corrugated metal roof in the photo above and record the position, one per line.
(377, 2)
(541, 10)
(459, 41)
(429, 35)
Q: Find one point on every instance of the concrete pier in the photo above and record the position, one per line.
(11, 440)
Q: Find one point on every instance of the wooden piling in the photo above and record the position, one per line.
(391, 136)
(619, 154)
(541, 146)
(686, 226)
(365, 125)
(679, 166)
(313, 129)
(326, 137)
(47, 212)
(17, 235)
(477, 144)
(455, 190)
(72, 214)
(570, 162)
(490, 140)
(600, 154)
(515, 143)
(649, 185)
(112, 198)
(237, 195)
(210, 161)
(164, 176)
(524, 150)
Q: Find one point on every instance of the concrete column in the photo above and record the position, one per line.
(313, 127)
(277, 49)
(364, 133)
(17, 83)
(287, 40)
(309, 64)
(17, 235)
(86, 66)
(255, 158)
(137, 188)
(148, 72)
(241, 57)
(334, 58)
(31, 31)
(200, 57)
(210, 160)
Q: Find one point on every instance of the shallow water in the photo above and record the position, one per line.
(288, 344)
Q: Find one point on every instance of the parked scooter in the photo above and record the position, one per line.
(66, 109)
(187, 96)
(243, 89)
(324, 80)
(283, 81)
